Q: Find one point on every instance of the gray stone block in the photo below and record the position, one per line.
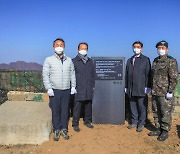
(16, 96)
(23, 122)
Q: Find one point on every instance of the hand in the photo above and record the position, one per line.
(147, 90)
(73, 91)
(169, 95)
(125, 90)
(50, 92)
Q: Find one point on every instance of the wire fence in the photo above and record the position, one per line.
(31, 81)
(14, 80)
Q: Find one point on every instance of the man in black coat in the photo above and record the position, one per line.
(84, 71)
(137, 85)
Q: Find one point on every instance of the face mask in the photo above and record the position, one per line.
(59, 50)
(137, 51)
(161, 52)
(83, 52)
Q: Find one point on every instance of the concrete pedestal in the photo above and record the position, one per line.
(23, 122)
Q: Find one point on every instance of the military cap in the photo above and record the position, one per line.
(162, 43)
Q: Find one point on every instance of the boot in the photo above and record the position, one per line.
(163, 136)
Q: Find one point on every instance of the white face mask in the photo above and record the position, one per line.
(161, 52)
(137, 51)
(83, 52)
(59, 50)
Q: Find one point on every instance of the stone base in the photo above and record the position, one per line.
(27, 96)
(24, 122)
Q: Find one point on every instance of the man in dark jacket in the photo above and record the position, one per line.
(137, 85)
(84, 71)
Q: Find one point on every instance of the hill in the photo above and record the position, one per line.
(21, 65)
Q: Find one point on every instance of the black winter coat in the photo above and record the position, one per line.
(84, 79)
(138, 77)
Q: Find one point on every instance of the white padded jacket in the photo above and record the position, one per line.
(57, 75)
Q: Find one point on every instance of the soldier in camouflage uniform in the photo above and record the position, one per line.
(164, 80)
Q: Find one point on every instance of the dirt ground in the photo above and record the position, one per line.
(104, 139)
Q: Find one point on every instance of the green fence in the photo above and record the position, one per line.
(177, 91)
(30, 81)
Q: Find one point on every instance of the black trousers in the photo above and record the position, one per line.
(77, 111)
(59, 104)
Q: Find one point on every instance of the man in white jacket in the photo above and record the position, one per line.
(59, 81)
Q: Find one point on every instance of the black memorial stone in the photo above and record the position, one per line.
(108, 103)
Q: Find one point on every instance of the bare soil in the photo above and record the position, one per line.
(104, 139)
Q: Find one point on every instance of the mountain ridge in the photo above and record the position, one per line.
(22, 65)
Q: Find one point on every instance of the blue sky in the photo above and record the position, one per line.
(28, 27)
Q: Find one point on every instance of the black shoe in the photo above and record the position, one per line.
(64, 134)
(163, 136)
(155, 133)
(140, 128)
(56, 135)
(76, 128)
(89, 125)
(132, 126)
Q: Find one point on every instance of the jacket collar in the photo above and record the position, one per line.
(64, 57)
(78, 58)
(141, 55)
(163, 57)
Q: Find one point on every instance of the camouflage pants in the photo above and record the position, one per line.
(162, 112)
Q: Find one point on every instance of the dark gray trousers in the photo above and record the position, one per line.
(87, 112)
(59, 104)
